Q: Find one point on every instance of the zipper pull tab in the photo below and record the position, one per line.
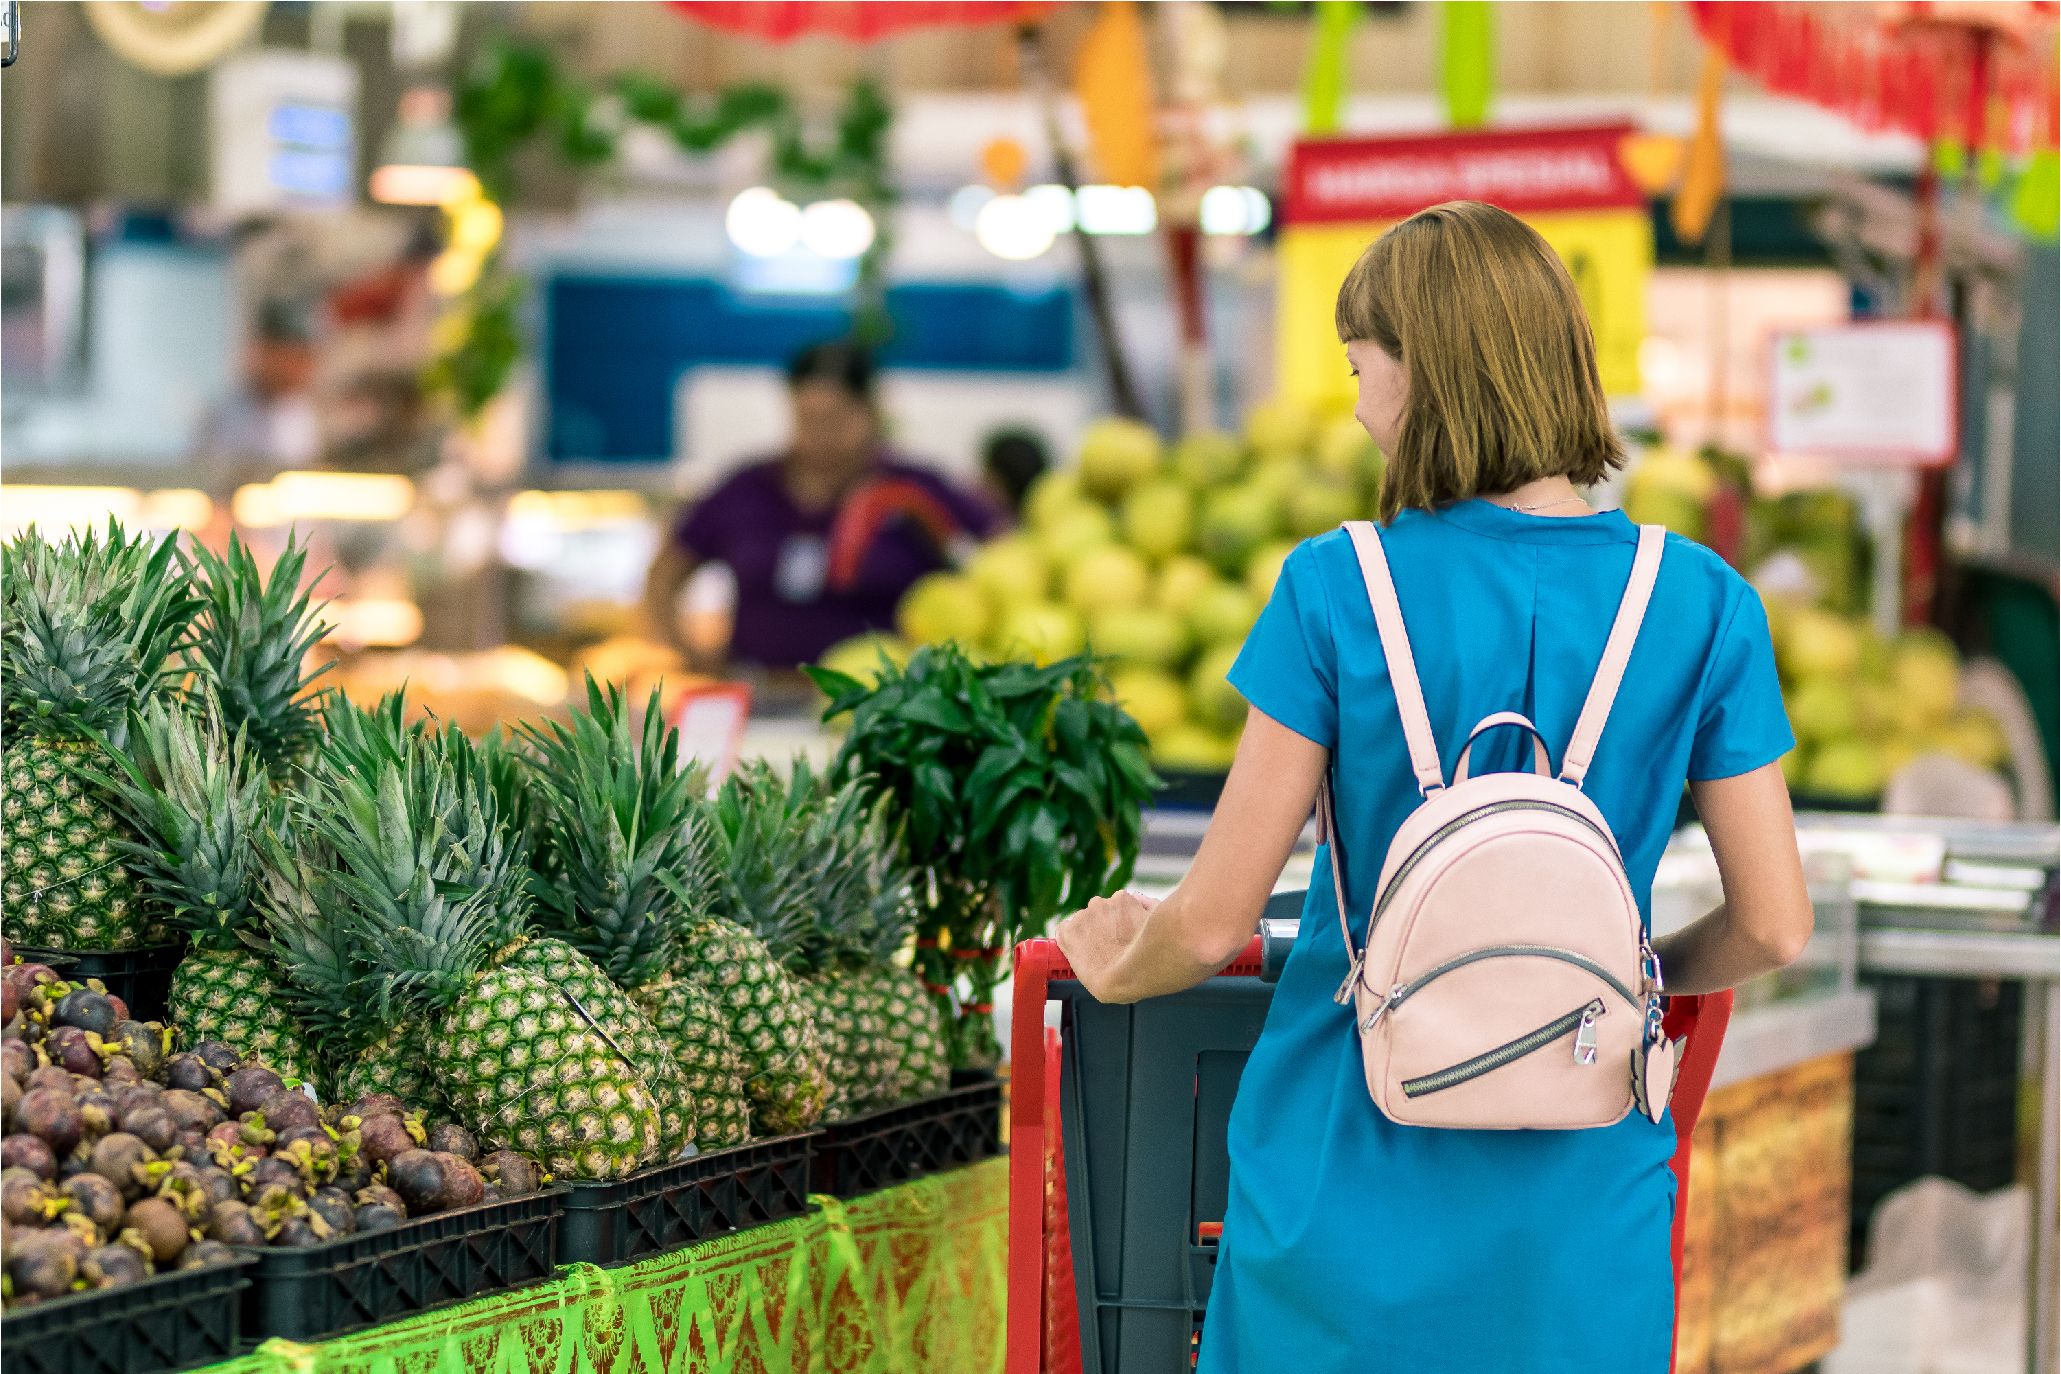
(1651, 961)
(1344, 995)
(1585, 1037)
(1382, 1008)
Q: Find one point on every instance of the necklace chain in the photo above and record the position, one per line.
(1527, 510)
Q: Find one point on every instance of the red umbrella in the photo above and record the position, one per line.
(855, 21)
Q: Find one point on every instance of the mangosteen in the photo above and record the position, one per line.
(226, 1134)
(273, 1170)
(202, 1253)
(218, 1056)
(121, 1071)
(129, 1097)
(162, 1226)
(377, 1104)
(42, 1266)
(516, 1175)
(52, 1076)
(193, 1110)
(142, 1043)
(119, 1158)
(153, 1126)
(111, 1266)
(231, 1223)
(316, 1158)
(17, 1060)
(26, 1200)
(333, 1205)
(379, 1193)
(452, 1139)
(26, 978)
(378, 1216)
(249, 1087)
(219, 1184)
(190, 1072)
(121, 1007)
(384, 1138)
(463, 1187)
(418, 1176)
(74, 1049)
(10, 1098)
(353, 1170)
(10, 1003)
(289, 1108)
(87, 1010)
(302, 1231)
(94, 1198)
(25, 1151)
(51, 1114)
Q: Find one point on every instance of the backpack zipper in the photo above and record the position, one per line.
(1468, 818)
(1565, 956)
(1581, 1021)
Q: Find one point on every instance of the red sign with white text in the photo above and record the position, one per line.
(1524, 171)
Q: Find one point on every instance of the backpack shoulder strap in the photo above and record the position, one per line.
(1617, 652)
(1395, 647)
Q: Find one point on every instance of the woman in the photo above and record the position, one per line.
(824, 539)
(1351, 1243)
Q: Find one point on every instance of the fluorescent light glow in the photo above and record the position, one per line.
(53, 508)
(836, 229)
(1235, 210)
(1117, 210)
(179, 508)
(375, 622)
(762, 223)
(1011, 227)
(966, 202)
(322, 496)
(401, 183)
(1054, 204)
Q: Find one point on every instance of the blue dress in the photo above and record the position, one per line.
(1355, 1246)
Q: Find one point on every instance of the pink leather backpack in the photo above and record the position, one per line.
(1505, 982)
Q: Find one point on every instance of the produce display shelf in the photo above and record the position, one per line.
(380, 1276)
(864, 1154)
(671, 1205)
(174, 1321)
(141, 977)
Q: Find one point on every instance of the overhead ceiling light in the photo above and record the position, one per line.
(1055, 204)
(763, 223)
(966, 202)
(1117, 210)
(1235, 210)
(1013, 228)
(836, 229)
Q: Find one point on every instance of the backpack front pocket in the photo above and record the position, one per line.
(1580, 1023)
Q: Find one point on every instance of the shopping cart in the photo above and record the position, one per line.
(1118, 1171)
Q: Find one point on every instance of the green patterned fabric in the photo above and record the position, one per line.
(904, 1281)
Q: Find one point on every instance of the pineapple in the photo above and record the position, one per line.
(88, 631)
(197, 800)
(251, 648)
(617, 846)
(427, 886)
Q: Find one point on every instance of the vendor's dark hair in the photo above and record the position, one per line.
(840, 361)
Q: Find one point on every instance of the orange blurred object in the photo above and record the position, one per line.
(1003, 162)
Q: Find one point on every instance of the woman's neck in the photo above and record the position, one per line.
(1551, 496)
(819, 489)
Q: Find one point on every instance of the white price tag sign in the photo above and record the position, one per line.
(1878, 391)
(711, 723)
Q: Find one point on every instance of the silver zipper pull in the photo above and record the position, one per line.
(1344, 994)
(1382, 1008)
(1657, 983)
(1585, 1038)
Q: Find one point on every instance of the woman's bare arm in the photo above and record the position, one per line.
(1125, 949)
(1766, 919)
(671, 566)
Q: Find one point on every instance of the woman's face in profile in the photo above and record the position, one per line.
(833, 429)
(1384, 387)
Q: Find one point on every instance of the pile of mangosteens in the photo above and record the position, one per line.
(123, 1158)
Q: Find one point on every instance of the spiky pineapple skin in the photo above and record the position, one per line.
(526, 1071)
(922, 1065)
(788, 1083)
(858, 1058)
(623, 1020)
(231, 995)
(396, 1063)
(64, 886)
(713, 1067)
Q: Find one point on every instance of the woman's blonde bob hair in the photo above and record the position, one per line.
(1501, 361)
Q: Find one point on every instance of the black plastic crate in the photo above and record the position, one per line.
(962, 1125)
(363, 1280)
(671, 1205)
(174, 1321)
(142, 978)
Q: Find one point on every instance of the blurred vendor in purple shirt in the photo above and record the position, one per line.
(823, 539)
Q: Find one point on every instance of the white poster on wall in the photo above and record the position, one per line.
(1870, 392)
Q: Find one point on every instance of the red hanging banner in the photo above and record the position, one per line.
(854, 21)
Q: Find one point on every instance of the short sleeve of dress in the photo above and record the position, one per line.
(1288, 668)
(1742, 724)
(699, 530)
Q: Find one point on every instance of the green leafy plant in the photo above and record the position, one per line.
(1017, 793)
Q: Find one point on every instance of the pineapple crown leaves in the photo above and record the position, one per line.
(357, 740)
(89, 629)
(195, 796)
(618, 820)
(317, 943)
(251, 645)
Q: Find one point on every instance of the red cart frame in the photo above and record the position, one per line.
(1041, 1297)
